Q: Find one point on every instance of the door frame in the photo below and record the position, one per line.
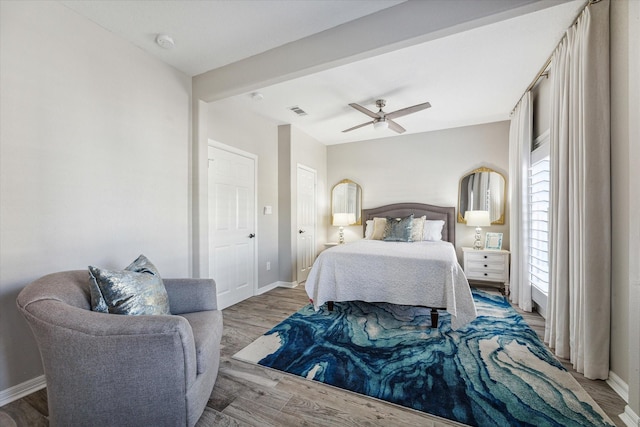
(219, 145)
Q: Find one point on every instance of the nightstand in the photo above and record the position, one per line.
(330, 244)
(487, 265)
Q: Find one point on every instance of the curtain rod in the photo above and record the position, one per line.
(543, 71)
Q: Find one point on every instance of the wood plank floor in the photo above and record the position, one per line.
(249, 395)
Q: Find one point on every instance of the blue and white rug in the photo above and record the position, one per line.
(492, 372)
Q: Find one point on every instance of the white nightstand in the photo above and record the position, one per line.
(487, 265)
(330, 244)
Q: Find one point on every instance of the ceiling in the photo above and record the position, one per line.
(471, 76)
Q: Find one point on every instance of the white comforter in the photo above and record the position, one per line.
(416, 273)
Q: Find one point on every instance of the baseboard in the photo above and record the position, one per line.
(619, 386)
(288, 284)
(629, 417)
(274, 285)
(21, 390)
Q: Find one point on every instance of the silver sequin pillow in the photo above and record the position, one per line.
(136, 290)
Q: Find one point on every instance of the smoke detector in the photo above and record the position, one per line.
(165, 41)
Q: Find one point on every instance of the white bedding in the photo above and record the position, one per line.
(416, 273)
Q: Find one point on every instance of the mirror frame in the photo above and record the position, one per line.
(358, 202)
(499, 221)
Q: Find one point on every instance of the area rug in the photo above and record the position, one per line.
(492, 372)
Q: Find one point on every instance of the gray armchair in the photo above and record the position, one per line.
(117, 370)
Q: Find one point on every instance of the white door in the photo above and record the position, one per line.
(232, 218)
(306, 195)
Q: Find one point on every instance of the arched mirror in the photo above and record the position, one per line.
(482, 190)
(346, 200)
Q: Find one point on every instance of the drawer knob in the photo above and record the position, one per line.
(485, 266)
(485, 257)
(485, 274)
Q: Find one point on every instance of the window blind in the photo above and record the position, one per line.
(539, 174)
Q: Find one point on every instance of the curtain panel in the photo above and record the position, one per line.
(520, 139)
(578, 320)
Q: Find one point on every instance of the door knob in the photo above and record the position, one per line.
(300, 231)
(251, 236)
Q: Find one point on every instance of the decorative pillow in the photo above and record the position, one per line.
(379, 228)
(136, 290)
(433, 230)
(399, 229)
(417, 228)
(368, 229)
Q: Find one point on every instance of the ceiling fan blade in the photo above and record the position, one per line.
(365, 111)
(357, 127)
(408, 110)
(394, 126)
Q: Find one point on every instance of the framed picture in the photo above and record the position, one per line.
(493, 241)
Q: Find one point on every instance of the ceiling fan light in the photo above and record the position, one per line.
(381, 125)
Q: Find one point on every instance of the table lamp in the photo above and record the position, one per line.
(477, 219)
(342, 220)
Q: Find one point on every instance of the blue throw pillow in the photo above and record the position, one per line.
(399, 229)
(136, 290)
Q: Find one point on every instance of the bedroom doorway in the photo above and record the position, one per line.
(232, 223)
(306, 221)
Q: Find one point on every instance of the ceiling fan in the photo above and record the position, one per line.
(382, 120)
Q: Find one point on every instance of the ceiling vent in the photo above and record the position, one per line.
(299, 111)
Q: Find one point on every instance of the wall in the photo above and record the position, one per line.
(229, 123)
(424, 167)
(297, 148)
(625, 150)
(94, 161)
(619, 191)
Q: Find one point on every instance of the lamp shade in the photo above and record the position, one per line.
(477, 218)
(343, 219)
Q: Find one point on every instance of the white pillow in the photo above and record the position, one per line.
(433, 230)
(379, 227)
(368, 229)
(417, 228)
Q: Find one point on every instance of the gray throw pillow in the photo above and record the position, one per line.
(136, 290)
(399, 229)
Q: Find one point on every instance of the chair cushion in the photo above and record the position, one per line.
(136, 290)
(207, 332)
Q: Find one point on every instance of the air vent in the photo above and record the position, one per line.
(299, 111)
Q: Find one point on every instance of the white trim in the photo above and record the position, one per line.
(21, 390)
(629, 417)
(280, 284)
(290, 285)
(619, 386)
(263, 289)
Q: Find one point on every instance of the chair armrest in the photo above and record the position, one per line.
(191, 295)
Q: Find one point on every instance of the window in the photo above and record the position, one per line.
(539, 179)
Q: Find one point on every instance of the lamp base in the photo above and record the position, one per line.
(477, 243)
(341, 235)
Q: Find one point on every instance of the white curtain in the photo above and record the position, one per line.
(578, 320)
(520, 139)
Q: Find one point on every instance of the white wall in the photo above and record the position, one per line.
(94, 160)
(423, 168)
(625, 173)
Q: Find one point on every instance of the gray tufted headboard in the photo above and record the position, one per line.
(398, 210)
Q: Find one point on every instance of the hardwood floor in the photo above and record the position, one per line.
(250, 395)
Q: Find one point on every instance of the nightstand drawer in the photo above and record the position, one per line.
(490, 265)
(497, 276)
(485, 257)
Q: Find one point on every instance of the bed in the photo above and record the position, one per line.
(420, 273)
